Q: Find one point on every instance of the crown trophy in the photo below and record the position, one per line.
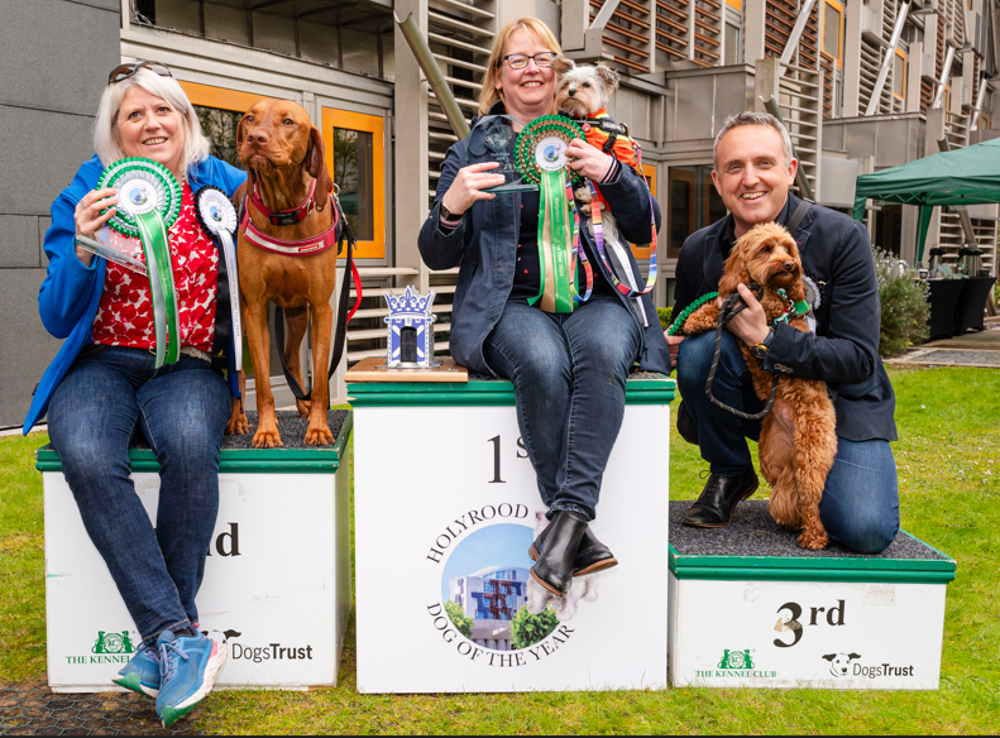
(410, 331)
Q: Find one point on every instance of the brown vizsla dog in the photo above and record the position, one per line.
(798, 440)
(284, 154)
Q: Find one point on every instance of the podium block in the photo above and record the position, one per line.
(748, 608)
(446, 507)
(277, 586)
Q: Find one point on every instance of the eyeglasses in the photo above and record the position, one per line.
(124, 71)
(542, 59)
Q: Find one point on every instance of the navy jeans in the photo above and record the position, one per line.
(569, 375)
(860, 506)
(108, 395)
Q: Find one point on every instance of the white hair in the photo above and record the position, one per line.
(107, 141)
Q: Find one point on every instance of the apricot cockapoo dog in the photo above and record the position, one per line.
(798, 442)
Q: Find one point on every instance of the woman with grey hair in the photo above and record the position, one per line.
(106, 384)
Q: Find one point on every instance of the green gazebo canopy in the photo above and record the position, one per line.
(968, 176)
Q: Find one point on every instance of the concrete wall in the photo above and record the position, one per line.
(54, 59)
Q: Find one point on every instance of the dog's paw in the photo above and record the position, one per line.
(237, 426)
(267, 439)
(303, 407)
(319, 436)
(538, 597)
(814, 540)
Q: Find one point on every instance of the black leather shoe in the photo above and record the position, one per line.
(554, 568)
(592, 556)
(714, 508)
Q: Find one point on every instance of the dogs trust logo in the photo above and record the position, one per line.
(840, 663)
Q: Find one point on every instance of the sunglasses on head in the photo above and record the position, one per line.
(124, 71)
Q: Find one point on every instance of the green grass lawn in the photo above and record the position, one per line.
(947, 455)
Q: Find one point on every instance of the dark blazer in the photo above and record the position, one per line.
(836, 255)
(485, 243)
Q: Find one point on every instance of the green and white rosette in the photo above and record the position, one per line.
(149, 201)
(540, 156)
(217, 216)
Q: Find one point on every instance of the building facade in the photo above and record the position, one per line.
(491, 597)
(862, 85)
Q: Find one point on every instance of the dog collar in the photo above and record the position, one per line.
(794, 310)
(304, 247)
(285, 217)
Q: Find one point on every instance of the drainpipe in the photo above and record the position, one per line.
(979, 102)
(445, 98)
(890, 57)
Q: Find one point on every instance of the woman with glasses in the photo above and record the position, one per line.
(568, 369)
(103, 389)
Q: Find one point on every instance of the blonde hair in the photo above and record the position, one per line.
(107, 140)
(489, 94)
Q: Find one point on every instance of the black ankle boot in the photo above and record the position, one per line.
(714, 507)
(554, 568)
(592, 556)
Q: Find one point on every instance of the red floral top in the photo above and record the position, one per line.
(125, 315)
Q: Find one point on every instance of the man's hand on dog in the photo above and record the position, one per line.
(469, 184)
(89, 219)
(749, 325)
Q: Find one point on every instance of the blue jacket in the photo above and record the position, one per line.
(486, 241)
(70, 295)
(836, 255)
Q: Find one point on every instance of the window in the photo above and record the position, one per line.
(219, 112)
(355, 155)
(833, 30)
(899, 75)
(693, 203)
(732, 51)
(738, 4)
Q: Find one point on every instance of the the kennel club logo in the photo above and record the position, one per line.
(736, 662)
(110, 647)
(845, 665)
(483, 607)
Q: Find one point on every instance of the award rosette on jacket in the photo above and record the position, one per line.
(217, 217)
(540, 155)
(149, 201)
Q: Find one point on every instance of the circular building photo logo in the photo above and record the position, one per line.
(484, 588)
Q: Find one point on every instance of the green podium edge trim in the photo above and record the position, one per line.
(813, 568)
(481, 393)
(311, 460)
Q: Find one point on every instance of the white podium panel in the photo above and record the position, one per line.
(277, 586)
(784, 617)
(446, 507)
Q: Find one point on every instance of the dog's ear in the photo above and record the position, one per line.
(854, 655)
(609, 76)
(316, 166)
(829, 656)
(735, 272)
(561, 65)
(241, 131)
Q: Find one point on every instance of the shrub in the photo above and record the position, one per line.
(904, 305)
(664, 315)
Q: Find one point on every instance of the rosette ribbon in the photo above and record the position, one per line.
(149, 200)
(218, 218)
(540, 153)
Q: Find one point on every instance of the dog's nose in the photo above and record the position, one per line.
(789, 266)
(572, 93)
(257, 136)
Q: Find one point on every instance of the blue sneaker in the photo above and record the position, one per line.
(142, 673)
(188, 666)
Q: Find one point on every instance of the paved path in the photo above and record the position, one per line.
(974, 348)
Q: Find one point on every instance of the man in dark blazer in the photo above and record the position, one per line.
(753, 170)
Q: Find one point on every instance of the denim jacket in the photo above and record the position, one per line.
(71, 292)
(485, 243)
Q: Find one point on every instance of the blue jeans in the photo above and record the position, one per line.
(860, 506)
(108, 395)
(569, 375)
